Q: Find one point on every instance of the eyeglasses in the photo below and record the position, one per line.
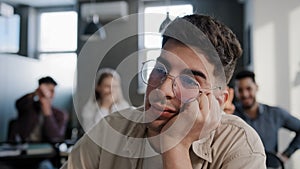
(185, 87)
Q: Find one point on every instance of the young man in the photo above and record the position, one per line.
(265, 119)
(181, 124)
(38, 120)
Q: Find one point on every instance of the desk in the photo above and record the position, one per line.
(26, 155)
(64, 150)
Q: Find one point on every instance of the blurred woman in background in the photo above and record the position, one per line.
(108, 98)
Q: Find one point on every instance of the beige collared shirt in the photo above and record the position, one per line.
(233, 145)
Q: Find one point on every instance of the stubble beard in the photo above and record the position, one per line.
(248, 107)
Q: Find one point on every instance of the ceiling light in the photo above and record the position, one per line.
(165, 23)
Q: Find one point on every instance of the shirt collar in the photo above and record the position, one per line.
(202, 148)
(261, 108)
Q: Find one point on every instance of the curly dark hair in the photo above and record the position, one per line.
(47, 80)
(219, 35)
(245, 74)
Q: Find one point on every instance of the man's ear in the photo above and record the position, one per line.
(223, 97)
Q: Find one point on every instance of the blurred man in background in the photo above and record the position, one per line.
(38, 120)
(265, 119)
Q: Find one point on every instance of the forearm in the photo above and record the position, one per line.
(293, 124)
(293, 146)
(54, 129)
(177, 158)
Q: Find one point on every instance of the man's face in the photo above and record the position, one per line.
(161, 104)
(245, 90)
(47, 90)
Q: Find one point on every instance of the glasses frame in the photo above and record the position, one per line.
(168, 75)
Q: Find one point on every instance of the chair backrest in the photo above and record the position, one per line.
(273, 161)
(11, 131)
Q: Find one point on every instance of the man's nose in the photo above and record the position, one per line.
(244, 93)
(167, 87)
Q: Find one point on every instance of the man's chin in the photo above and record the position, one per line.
(248, 105)
(156, 126)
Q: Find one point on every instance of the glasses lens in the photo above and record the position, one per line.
(186, 88)
(153, 73)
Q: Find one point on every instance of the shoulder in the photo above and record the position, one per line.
(120, 106)
(238, 134)
(90, 103)
(127, 122)
(89, 109)
(26, 101)
(116, 132)
(276, 111)
(235, 123)
(266, 107)
(28, 96)
(238, 110)
(232, 120)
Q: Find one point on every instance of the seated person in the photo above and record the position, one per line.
(107, 98)
(265, 119)
(181, 125)
(38, 120)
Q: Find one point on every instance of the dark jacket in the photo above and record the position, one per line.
(53, 126)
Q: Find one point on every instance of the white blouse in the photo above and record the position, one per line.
(92, 113)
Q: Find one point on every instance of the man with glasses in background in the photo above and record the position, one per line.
(182, 124)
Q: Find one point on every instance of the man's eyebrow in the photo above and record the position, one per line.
(194, 72)
(164, 61)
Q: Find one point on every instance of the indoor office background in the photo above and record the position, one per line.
(268, 30)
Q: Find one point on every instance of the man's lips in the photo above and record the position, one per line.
(246, 99)
(160, 113)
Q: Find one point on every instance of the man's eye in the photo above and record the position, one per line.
(188, 82)
(160, 71)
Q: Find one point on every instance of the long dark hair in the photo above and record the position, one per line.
(100, 80)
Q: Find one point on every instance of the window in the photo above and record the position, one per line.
(57, 44)
(151, 39)
(58, 32)
(9, 34)
(62, 65)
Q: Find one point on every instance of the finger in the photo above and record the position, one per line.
(204, 105)
(42, 89)
(215, 109)
(230, 94)
(213, 116)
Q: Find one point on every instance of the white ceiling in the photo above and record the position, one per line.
(40, 3)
